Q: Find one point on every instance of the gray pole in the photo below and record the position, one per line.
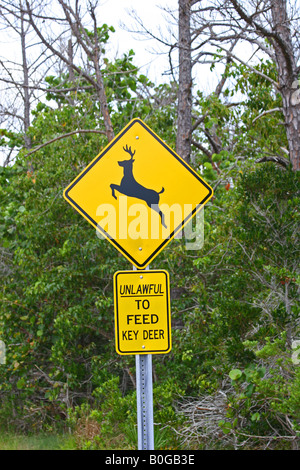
(144, 399)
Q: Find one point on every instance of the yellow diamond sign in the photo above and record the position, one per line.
(138, 193)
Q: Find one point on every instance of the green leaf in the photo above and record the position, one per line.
(250, 390)
(226, 426)
(208, 166)
(235, 374)
(261, 371)
(21, 383)
(255, 417)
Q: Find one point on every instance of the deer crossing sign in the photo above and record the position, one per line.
(138, 193)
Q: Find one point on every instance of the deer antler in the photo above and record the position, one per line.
(128, 150)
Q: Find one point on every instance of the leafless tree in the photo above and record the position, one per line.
(271, 28)
(241, 32)
(273, 21)
(62, 36)
(20, 77)
(73, 17)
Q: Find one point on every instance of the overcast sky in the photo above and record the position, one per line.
(150, 56)
(117, 13)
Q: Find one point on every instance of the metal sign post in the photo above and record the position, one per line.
(144, 398)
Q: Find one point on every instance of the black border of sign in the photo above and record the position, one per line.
(100, 229)
(138, 273)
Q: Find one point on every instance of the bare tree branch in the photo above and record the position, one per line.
(268, 111)
(78, 131)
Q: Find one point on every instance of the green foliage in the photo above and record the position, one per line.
(35, 442)
(239, 308)
(265, 396)
(239, 120)
(234, 302)
(101, 35)
(111, 422)
(56, 292)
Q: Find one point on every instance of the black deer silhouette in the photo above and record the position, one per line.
(130, 187)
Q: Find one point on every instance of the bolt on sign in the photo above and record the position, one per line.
(138, 193)
(142, 312)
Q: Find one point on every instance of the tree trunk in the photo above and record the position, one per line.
(184, 118)
(70, 58)
(103, 100)
(287, 77)
(280, 37)
(26, 98)
(99, 78)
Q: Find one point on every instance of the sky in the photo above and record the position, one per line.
(148, 52)
(117, 13)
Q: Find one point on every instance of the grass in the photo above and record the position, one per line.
(36, 442)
